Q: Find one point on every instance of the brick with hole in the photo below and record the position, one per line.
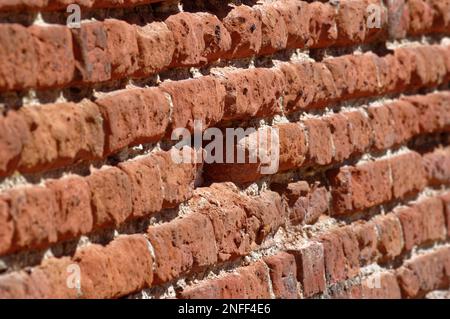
(129, 262)
(252, 92)
(216, 37)
(356, 188)
(201, 99)
(111, 199)
(19, 60)
(421, 16)
(93, 61)
(32, 211)
(320, 144)
(249, 282)
(14, 134)
(187, 31)
(245, 28)
(146, 185)
(156, 46)
(322, 25)
(310, 268)
(381, 285)
(283, 274)
(359, 131)
(181, 246)
(408, 174)
(122, 47)
(423, 273)
(351, 22)
(74, 214)
(273, 30)
(61, 134)
(54, 51)
(296, 15)
(390, 236)
(133, 116)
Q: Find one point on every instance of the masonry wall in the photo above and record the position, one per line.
(92, 204)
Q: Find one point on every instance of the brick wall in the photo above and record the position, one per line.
(92, 204)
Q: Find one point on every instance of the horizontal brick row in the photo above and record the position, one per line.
(54, 135)
(222, 225)
(321, 141)
(122, 267)
(37, 216)
(56, 56)
(54, 5)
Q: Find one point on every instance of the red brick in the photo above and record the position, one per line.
(320, 145)
(215, 35)
(156, 47)
(334, 257)
(91, 52)
(252, 92)
(111, 202)
(423, 273)
(274, 30)
(420, 15)
(344, 74)
(384, 128)
(178, 179)
(292, 140)
(7, 226)
(322, 25)
(382, 285)
(296, 15)
(359, 131)
(299, 90)
(181, 246)
(306, 204)
(350, 247)
(351, 22)
(74, 215)
(339, 128)
(446, 201)
(251, 282)
(61, 134)
(406, 120)
(22, 4)
(146, 185)
(366, 83)
(133, 116)
(355, 188)
(398, 17)
(390, 236)
(412, 226)
(201, 99)
(437, 166)
(122, 47)
(13, 135)
(19, 61)
(408, 174)
(401, 66)
(32, 211)
(325, 90)
(129, 264)
(367, 237)
(432, 211)
(224, 206)
(54, 52)
(283, 274)
(245, 27)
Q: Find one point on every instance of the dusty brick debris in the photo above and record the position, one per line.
(92, 204)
